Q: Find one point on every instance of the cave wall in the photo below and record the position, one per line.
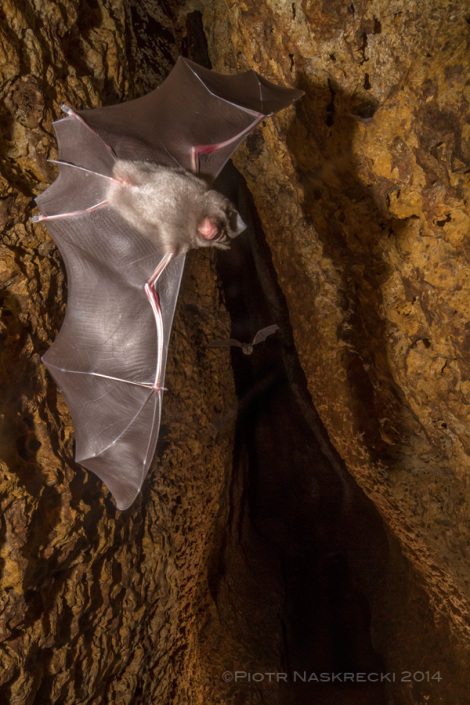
(96, 605)
(365, 206)
(362, 192)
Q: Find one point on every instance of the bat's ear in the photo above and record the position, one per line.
(235, 221)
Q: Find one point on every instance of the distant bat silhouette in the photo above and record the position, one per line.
(247, 348)
(124, 210)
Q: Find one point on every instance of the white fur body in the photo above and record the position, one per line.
(171, 206)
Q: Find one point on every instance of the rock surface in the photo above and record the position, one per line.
(366, 209)
(363, 194)
(96, 605)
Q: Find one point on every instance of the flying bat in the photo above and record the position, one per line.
(247, 348)
(132, 198)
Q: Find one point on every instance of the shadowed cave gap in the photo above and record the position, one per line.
(328, 538)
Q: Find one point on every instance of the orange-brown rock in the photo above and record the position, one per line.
(366, 210)
(96, 605)
(362, 191)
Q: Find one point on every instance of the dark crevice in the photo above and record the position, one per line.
(330, 108)
(298, 498)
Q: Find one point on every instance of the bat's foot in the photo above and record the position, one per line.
(89, 171)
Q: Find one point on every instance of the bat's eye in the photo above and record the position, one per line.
(209, 229)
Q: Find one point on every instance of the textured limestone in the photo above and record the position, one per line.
(363, 193)
(96, 605)
(366, 208)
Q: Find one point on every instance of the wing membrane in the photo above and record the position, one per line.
(104, 358)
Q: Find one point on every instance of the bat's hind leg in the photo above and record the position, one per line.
(154, 301)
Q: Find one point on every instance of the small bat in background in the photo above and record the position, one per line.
(131, 199)
(247, 348)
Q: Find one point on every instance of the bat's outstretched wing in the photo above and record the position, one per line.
(105, 355)
(195, 119)
(264, 332)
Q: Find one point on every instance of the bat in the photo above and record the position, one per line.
(131, 199)
(247, 348)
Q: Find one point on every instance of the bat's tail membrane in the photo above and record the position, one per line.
(74, 192)
(85, 169)
(71, 214)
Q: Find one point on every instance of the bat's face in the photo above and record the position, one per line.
(173, 207)
(218, 223)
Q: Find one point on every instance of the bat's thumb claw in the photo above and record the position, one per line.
(66, 109)
(37, 218)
